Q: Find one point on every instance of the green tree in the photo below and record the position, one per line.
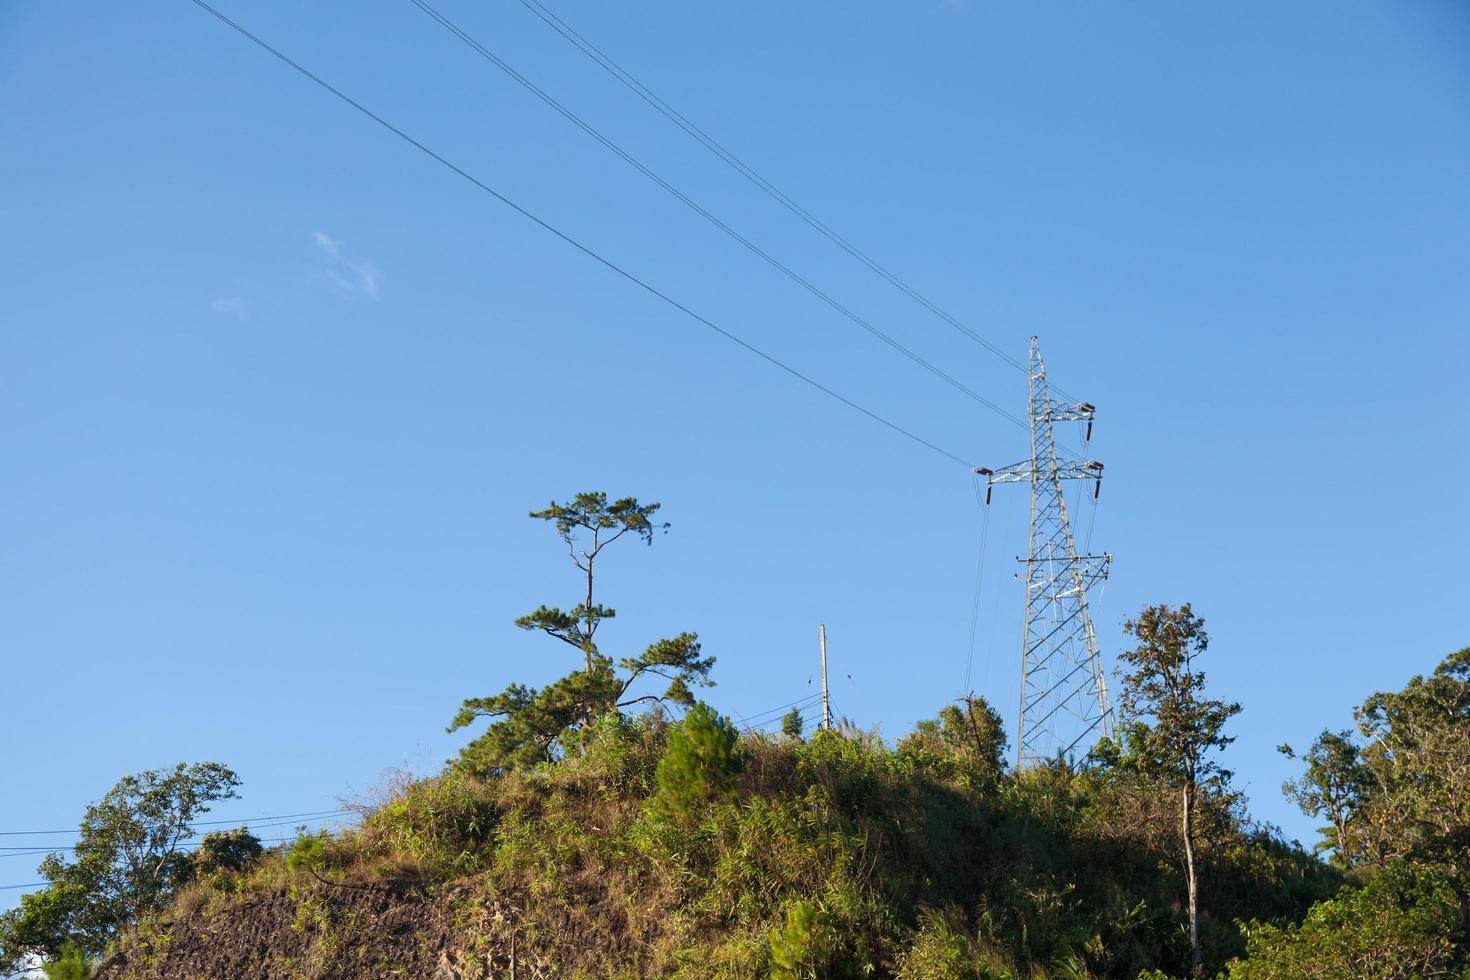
(792, 725)
(1163, 690)
(125, 866)
(587, 524)
(699, 762)
(972, 731)
(225, 852)
(533, 726)
(1333, 786)
(1403, 924)
(1400, 787)
(1417, 755)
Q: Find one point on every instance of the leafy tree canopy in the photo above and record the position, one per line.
(972, 731)
(1333, 786)
(1404, 923)
(125, 866)
(1163, 691)
(792, 724)
(1399, 787)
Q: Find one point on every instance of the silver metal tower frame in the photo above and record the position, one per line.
(1064, 691)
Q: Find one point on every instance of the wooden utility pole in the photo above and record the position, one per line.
(826, 704)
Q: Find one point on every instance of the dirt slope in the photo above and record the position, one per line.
(337, 932)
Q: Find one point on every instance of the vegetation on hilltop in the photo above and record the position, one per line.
(684, 851)
(591, 832)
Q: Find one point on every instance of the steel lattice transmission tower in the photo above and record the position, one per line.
(1064, 692)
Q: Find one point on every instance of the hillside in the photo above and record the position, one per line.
(833, 856)
(610, 824)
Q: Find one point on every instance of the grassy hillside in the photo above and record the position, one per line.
(833, 856)
(579, 835)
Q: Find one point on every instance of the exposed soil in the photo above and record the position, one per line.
(348, 932)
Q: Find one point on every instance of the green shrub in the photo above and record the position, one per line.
(802, 945)
(308, 853)
(1404, 923)
(971, 734)
(938, 951)
(792, 724)
(223, 855)
(699, 763)
(72, 964)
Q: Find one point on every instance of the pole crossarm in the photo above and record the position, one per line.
(1064, 694)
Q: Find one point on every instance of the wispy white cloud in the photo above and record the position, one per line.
(230, 306)
(346, 274)
(958, 6)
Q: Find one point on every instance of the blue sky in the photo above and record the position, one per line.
(278, 390)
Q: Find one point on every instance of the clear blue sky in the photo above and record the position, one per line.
(278, 391)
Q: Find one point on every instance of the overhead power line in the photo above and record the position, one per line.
(193, 843)
(568, 239)
(632, 83)
(196, 823)
(770, 715)
(26, 850)
(699, 209)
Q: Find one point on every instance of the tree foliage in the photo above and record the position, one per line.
(531, 726)
(792, 724)
(1417, 755)
(225, 852)
(1405, 923)
(1163, 689)
(1176, 728)
(971, 731)
(587, 524)
(126, 864)
(1398, 788)
(1333, 786)
(1396, 797)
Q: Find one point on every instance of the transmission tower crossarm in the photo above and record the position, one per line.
(1092, 568)
(1026, 471)
(1070, 412)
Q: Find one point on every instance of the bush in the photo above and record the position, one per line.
(939, 951)
(308, 852)
(72, 964)
(225, 853)
(1403, 923)
(971, 734)
(699, 763)
(801, 947)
